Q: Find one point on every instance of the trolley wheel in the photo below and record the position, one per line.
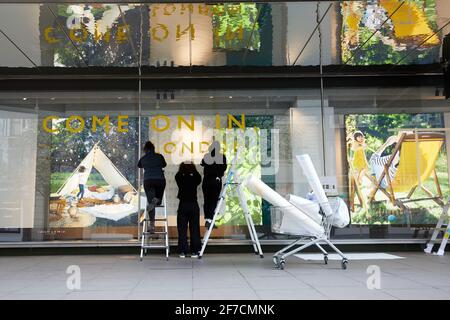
(325, 259)
(344, 264)
(261, 256)
(140, 259)
(275, 260)
(282, 264)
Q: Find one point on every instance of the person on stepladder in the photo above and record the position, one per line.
(154, 180)
(214, 165)
(188, 179)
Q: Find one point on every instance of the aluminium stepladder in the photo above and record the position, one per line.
(157, 239)
(438, 229)
(232, 180)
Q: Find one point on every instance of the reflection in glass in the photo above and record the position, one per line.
(231, 34)
(383, 31)
(94, 35)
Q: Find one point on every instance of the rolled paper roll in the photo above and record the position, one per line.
(311, 174)
(312, 209)
(294, 221)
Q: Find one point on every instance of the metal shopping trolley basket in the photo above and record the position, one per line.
(308, 223)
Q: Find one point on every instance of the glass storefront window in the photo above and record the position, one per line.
(382, 149)
(46, 137)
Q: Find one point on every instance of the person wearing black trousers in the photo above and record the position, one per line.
(188, 179)
(214, 166)
(154, 181)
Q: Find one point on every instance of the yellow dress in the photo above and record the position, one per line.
(359, 159)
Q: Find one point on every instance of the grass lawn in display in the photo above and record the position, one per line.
(422, 212)
(58, 178)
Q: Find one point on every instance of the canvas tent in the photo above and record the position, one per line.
(97, 159)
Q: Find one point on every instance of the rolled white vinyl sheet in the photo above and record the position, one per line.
(295, 221)
(312, 209)
(311, 174)
(341, 216)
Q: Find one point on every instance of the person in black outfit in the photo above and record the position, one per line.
(188, 179)
(214, 166)
(154, 181)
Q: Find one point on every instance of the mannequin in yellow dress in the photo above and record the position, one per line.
(360, 164)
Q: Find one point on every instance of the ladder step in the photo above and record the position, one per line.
(155, 239)
(154, 246)
(156, 232)
(158, 219)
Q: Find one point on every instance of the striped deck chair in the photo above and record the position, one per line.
(417, 163)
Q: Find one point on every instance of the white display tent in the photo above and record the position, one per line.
(97, 159)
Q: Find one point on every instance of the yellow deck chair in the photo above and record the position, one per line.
(415, 157)
(410, 23)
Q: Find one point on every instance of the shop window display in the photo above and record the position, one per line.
(108, 157)
(392, 158)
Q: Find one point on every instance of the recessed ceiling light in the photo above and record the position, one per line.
(120, 98)
(24, 99)
(53, 98)
(231, 97)
(211, 97)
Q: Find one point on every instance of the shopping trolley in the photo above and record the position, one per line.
(280, 214)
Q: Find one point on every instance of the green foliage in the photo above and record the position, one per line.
(377, 214)
(234, 25)
(249, 165)
(97, 52)
(421, 213)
